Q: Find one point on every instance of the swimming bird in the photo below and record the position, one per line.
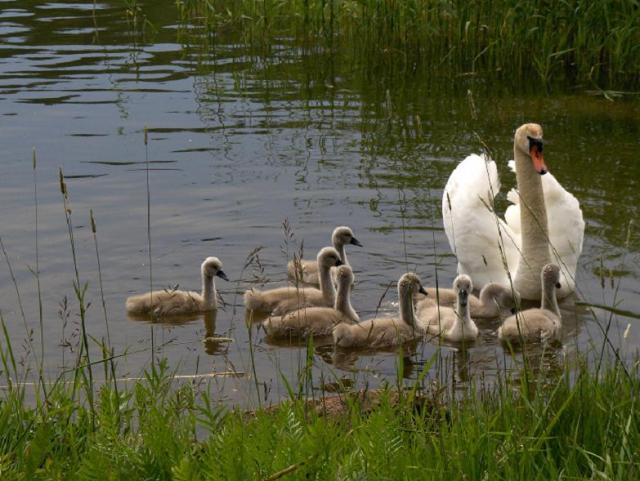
(282, 300)
(342, 236)
(536, 324)
(385, 332)
(317, 321)
(451, 324)
(167, 303)
(492, 300)
(544, 223)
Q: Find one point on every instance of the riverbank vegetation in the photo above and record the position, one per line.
(579, 42)
(571, 426)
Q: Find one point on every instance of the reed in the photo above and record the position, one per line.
(576, 41)
(571, 427)
(83, 360)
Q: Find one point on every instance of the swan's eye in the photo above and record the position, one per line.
(535, 143)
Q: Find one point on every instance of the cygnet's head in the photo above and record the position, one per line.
(329, 257)
(528, 139)
(463, 287)
(344, 276)
(343, 235)
(505, 296)
(411, 282)
(212, 266)
(551, 276)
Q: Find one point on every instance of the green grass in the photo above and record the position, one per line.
(573, 428)
(574, 41)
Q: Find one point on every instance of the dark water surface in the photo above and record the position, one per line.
(239, 142)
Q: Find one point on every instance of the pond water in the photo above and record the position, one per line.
(237, 144)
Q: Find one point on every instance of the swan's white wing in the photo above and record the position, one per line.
(470, 223)
(566, 230)
(566, 227)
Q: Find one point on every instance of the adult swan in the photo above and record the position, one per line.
(544, 223)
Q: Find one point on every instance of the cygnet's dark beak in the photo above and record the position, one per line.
(422, 291)
(558, 285)
(356, 242)
(513, 310)
(339, 263)
(222, 275)
(464, 296)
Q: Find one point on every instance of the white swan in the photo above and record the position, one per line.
(282, 300)
(487, 247)
(536, 324)
(491, 302)
(385, 332)
(167, 303)
(317, 321)
(342, 235)
(454, 325)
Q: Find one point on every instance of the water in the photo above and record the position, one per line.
(237, 144)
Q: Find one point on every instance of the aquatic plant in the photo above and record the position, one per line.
(577, 41)
(160, 427)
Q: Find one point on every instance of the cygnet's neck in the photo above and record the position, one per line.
(534, 225)
(326, 284)
(343, 301)
(463, 316)
(209, 294)
(549, 298)
(339, 246)
(463, 327)
(405, 296)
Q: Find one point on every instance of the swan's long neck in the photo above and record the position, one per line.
(342, 251)
(343, 301)
(549, 298)
(326, 284)
(535, 230)
(407, 315)
(209, 294)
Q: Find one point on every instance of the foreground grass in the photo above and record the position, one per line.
(581, 428)
(576, 41)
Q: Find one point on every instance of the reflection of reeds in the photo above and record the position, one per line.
(578, 41)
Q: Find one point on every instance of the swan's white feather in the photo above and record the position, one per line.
(472, 228)
(471, 224)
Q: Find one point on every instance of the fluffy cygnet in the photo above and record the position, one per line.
(341, 237)
(536, 324)
(451, 324)
(317, 321)
(168, 303)
(282, 300)
(384, 332)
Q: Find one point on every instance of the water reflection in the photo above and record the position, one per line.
(214, 344)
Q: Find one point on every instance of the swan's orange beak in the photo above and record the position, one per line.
(535, 151)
